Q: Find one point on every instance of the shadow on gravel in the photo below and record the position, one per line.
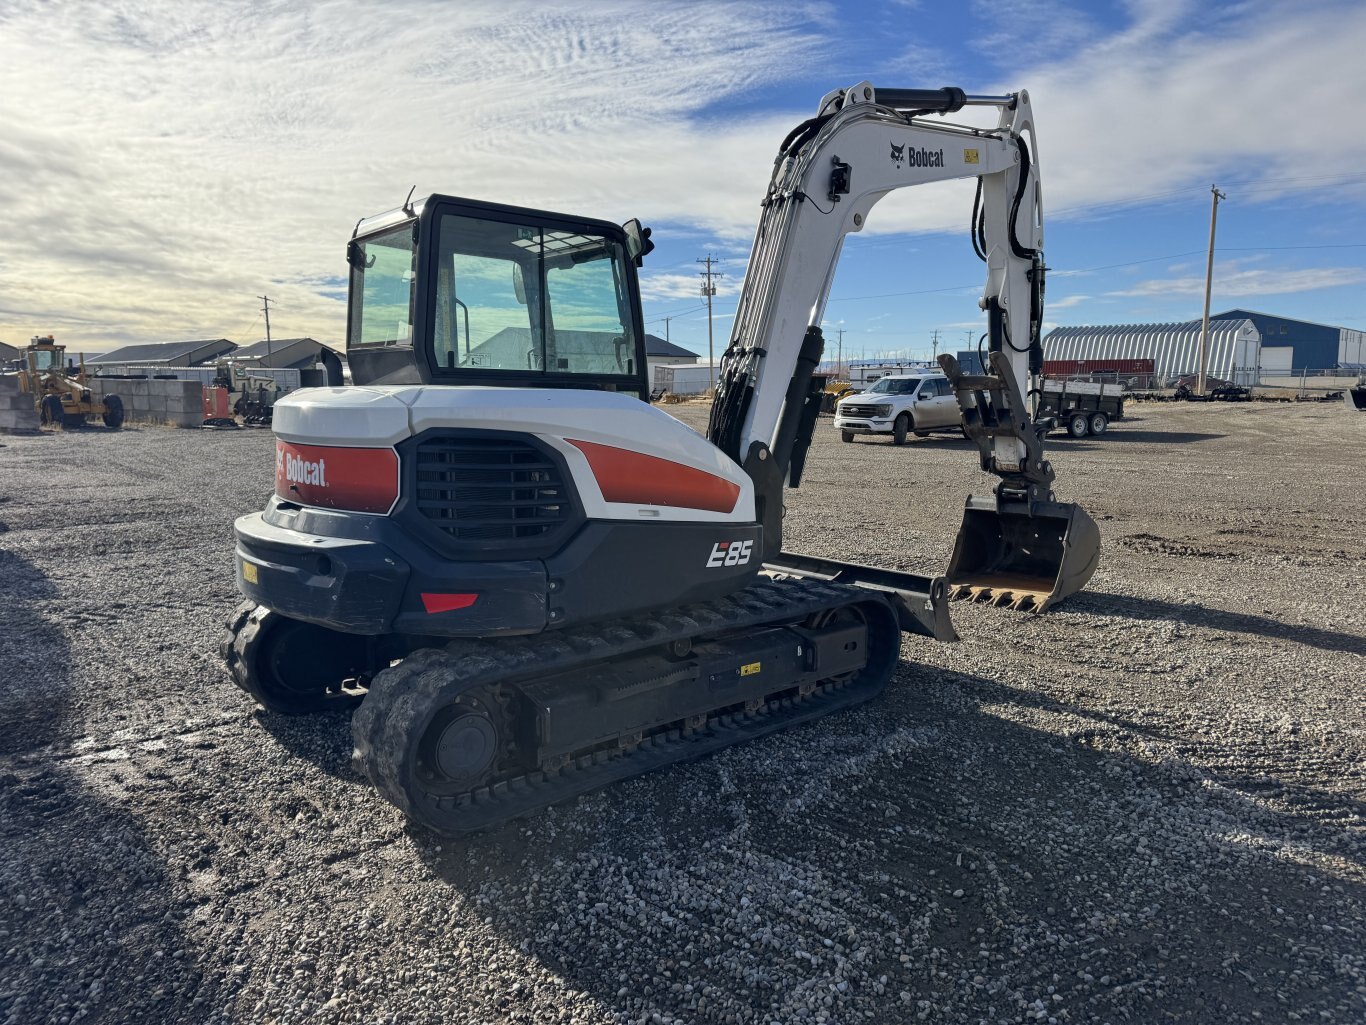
(323, 738)
(928, 853)
(1121, 434)
(91, 917)
(33, 659)
(88, 916)
(1218, 619)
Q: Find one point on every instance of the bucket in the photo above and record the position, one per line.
(1022, 555)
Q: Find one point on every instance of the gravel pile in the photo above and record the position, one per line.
(1146, 806)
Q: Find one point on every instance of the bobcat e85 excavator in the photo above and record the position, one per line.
(541, 582)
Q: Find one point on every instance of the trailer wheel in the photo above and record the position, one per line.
(899, 429)
(1077, 425)
(1099, 421)
(846, 436)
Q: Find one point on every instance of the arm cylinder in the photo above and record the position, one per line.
(937, 101)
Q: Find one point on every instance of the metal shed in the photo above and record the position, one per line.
(291, 353)
(1234, 347)
(177, 354)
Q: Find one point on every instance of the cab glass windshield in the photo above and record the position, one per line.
(382, 269)
(527, 297)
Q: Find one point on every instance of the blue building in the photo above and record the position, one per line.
(1295, 345)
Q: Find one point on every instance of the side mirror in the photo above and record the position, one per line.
(518, 283)
(638, 244)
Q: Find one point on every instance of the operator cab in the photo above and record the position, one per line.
(45, 354)
(457, 292)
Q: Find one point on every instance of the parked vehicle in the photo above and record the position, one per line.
(1081, 407)
(900, 405)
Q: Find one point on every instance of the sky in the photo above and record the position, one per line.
(165, 162)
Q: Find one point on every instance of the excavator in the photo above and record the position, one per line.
(536, 582)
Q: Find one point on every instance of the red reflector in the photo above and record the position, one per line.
(434, 603)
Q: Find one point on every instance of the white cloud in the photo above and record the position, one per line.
(1067, 302)
(1230, 282)
(1179, 98)
(181, 158)
(162, 163)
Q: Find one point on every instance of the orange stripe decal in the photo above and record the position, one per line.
(633, 477)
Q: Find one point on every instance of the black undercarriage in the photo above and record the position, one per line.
(465, 734)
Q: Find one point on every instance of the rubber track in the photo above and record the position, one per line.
(233, 644)
(402, 697)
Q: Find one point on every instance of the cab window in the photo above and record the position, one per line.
(524, 297)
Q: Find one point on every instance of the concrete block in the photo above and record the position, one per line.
(187, 419)
(136, 388)
(15, 400)
(18, 421)
(9, 382)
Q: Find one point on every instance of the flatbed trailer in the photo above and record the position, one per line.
(1081, 407)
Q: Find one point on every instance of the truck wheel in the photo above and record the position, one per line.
(1077, 425)
(1099, 421)
(50, 411)
(113, 412)
(899, 429)
(846, 436)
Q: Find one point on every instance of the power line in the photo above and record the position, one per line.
(675, 314)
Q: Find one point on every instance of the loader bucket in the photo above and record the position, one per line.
(1022, 555)
(1356, 398)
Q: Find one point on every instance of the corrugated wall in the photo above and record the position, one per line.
(1173, 348)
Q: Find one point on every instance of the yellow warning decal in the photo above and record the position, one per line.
(971, 156)
(249, 573)
(751, 669)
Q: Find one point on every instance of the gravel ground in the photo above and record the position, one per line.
(1145, 806)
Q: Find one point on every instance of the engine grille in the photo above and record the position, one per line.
(485, 489)
(863, 411)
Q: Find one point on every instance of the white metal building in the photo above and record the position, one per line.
(1234, 347)
(660, 352)
(863, 372)
(687, 378)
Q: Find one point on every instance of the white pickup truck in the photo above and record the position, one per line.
(900, 404)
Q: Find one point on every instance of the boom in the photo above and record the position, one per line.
(830, 171)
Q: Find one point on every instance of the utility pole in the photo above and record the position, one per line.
(1215, 196)
(935, 341)
(265, 308)
(666, 327)
(709, 290)
(839, 358)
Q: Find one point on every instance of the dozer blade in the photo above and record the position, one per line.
(1356, 398)
(1022, 555)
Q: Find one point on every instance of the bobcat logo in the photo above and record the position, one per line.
(898, 154)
